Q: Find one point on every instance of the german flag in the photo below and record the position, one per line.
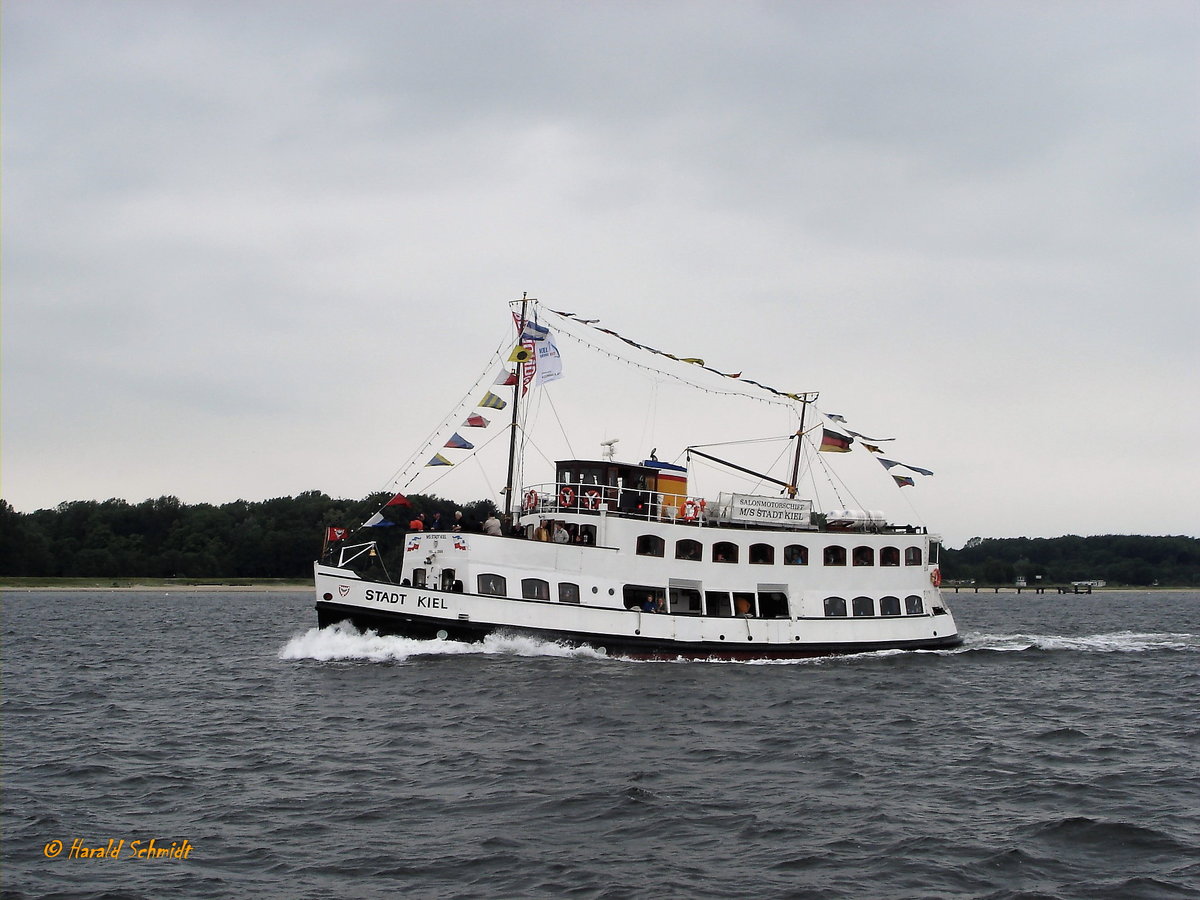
(832, 442)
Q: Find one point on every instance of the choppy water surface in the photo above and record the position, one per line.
(1054, 755)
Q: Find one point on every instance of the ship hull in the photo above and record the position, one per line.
(428, 614)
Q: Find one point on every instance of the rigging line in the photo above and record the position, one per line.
(781, 401)
(732, 473)
(916, 513)
(531, 442)
(766, 440)
(835, 480)
(450, 469)
(483, 472)
(431, 439)
(777, 458)
(561, 427)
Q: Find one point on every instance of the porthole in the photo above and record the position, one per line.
(442, 634)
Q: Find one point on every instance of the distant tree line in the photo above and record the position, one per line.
(1134, 560)
(166, 538)
(280, 538)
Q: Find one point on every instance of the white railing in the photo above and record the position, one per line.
(550, 498)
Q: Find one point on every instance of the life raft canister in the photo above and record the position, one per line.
(566, 497)
(935, 576)
(590, 499)
(531, 499)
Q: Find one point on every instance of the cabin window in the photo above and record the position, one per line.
(864, 556)
(912, 556)
(835, 556)
(688, 549)
(493, 584)
(650, 545)
(773, 604)
(762, 554)
(535, 589)
(716, 603)
(889, 556)
(913, 605)
(568, 593)
(419, 578)
(640, 596)
(862, 606)
(835, 606)
(725, 551)
(743, 603)
(586, 535)
(795, 555)
(685, 601)
(447, 579)
(889, 606)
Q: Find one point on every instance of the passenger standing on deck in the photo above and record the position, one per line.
(491, 525)
(560, 534)
(540, 533)
(418, 523)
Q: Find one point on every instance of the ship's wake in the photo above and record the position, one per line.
(1111, 642)
(344, 642)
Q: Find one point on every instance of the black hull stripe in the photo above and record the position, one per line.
(426, 627)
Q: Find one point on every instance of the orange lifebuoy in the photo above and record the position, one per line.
(566, 496)
(590, 499)
(935, 576)
(690, 510)
(531, 499)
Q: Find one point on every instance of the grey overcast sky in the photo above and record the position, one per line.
(262, 247)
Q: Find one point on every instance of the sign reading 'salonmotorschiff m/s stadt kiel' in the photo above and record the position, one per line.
(765, 510)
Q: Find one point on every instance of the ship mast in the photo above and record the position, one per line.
(805, 399)
(512, 436)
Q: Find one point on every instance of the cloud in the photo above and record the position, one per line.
(229, 226)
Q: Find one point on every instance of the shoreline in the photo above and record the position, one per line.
(134, 585)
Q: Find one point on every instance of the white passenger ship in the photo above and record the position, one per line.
(639, 566)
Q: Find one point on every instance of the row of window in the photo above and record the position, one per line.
(865, 606)
(764, 554)
(531, 588)
(689, 601)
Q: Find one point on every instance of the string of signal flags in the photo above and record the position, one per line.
(538, 361)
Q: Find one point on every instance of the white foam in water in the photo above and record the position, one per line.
(1114, 642)
(344, 642)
